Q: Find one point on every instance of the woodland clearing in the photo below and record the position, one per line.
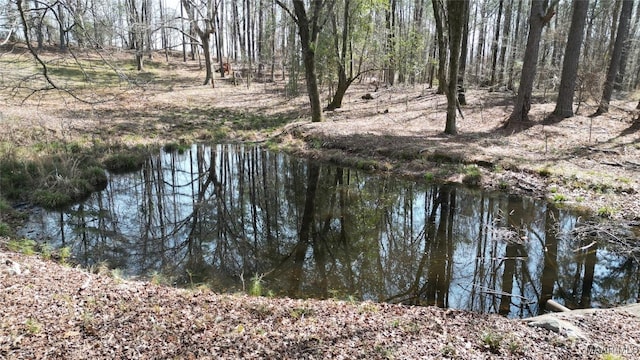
(55, 311)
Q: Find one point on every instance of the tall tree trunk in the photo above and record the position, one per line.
(505, 38)
(273, 44)
(494, 45)
(341, 56)
(616, 56)
(220, 40)
(626, 49)
(37, 19)
(514, 48)
(184, 37)
(541, 14)
(308, 29)
(390, 24)
(455, 12)
(462, 99)
(439, 15)
(564, 103)
(480, 48)
(238, 34)
(63, 32)
(206, 48)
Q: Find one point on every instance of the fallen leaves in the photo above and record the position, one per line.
(56, 311)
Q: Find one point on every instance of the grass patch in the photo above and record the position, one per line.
(51, 199)
(544, 172)
(23, 246)
(606, 212)
(300, 312)
(52, 177)
(471, 175)
(559, 198)
(32, 326)
(125, 162)
(492, 341)
(174, 147)
(5, 230)
(429, 177)
(255, 289)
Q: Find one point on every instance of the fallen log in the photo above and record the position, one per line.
(554, 306)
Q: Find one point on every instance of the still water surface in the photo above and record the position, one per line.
(225, 214)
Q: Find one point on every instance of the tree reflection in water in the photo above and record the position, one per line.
(224, 214)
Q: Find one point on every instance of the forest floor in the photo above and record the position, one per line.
(53, 311)
(590, 164)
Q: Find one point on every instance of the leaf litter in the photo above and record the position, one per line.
(54, 311)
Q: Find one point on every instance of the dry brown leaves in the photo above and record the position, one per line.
(53, 311)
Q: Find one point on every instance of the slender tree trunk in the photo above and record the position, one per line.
(626, 49)
(273, 44)
(481, 38)
(438, 11)
(514, 48)
(462, 99)
(220, 40)
(249, 43)
(616, 56)
(540, 15)
(564, 103)
(343, 83)
(61, 20)
(163, 31)
(206, 48)
(184, 37)
(494, 45)
(308, 30)
(455, 12)
(505, 38)
(390, 24)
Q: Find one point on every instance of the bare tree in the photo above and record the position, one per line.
(202, 18)
(564, 103)
(494, 45)
(455, 15)
(343, 44)
(439, 15)
(541, 14)
(616, 56)
(309, 26)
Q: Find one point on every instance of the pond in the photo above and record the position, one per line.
(229, 215)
